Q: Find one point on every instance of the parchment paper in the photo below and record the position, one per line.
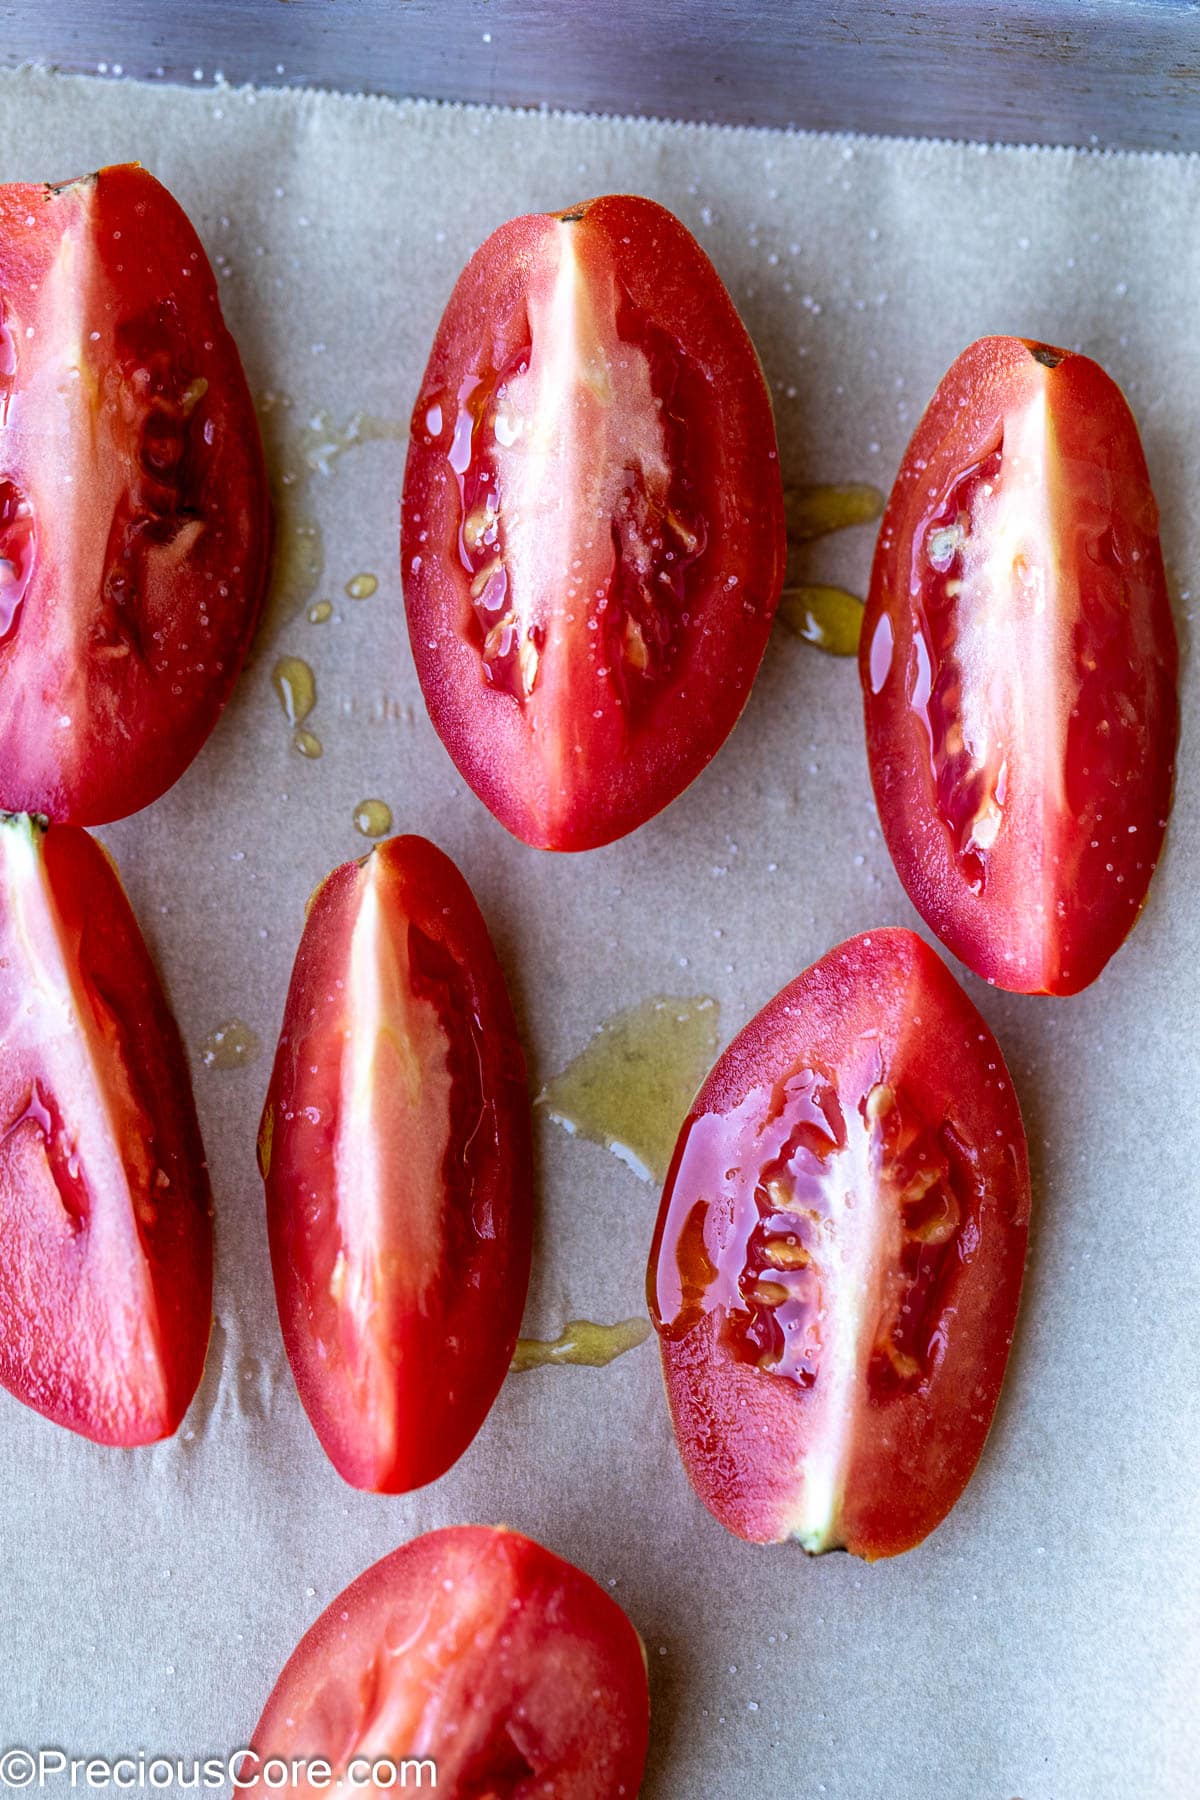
(1043, 1643)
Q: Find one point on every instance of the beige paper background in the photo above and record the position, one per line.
(1043, 1643)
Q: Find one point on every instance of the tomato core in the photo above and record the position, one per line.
(772, 1250)
(511, 443)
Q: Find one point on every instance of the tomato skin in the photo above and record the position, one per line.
(585, 649)
(1020, 667)
(106, 1241)
(852, 1412)
(395, 1149)
(134, 530)
(518, 1676)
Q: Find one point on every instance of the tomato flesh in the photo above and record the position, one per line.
(395, 1149)
(476, 1648)
(1019, 668)
(133, 509)
(593, 535)
(106, 1241)
(839, 1253)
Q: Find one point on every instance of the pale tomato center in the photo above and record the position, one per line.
(433, 1683)
(993, 676)
(394, 1124)
(578, 524)
(100, 421)
(80, 1140)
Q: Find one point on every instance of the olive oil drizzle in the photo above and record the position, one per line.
(582, 1343)
(815, 512)
(829, 617)
(373, 818)
(232, 1045)
(296, 688)
(630, 1088)
(299, 461)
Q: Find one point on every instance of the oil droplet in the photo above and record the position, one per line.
(361, 587)
(373, 818)
(231, 1046)
(323, 442)
(300, 556)
(296, 685)
(630, 1089)
(298, 560)
(828, 617)
(812, 512)
(581, 1342)
(319, 611)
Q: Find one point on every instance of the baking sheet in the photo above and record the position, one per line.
(1043, 1644)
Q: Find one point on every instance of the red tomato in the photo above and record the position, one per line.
(105, 1209)
(839, 1253)
(473, 1647)
(1019, 668)
(133, 504)
(395, 1148)
(593, 535)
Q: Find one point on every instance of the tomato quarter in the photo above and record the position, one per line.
(472, 1647)
(395, 1148)
(133, 507)
(105, 1210)
(593, 536)
(1019, 668)
(839, 1254)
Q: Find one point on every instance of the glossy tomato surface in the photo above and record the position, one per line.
(105, 1210)
(1019, 668)
(395, 1148)
(133, 507)
(839, 1253)
(593, 537)
(473, 1647)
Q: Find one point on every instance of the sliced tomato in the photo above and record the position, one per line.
(105, 1209)
(839, 1253)
(133, 502)
(395, 1148)
(1019, 668)
(593, 534)
(474, 1648)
